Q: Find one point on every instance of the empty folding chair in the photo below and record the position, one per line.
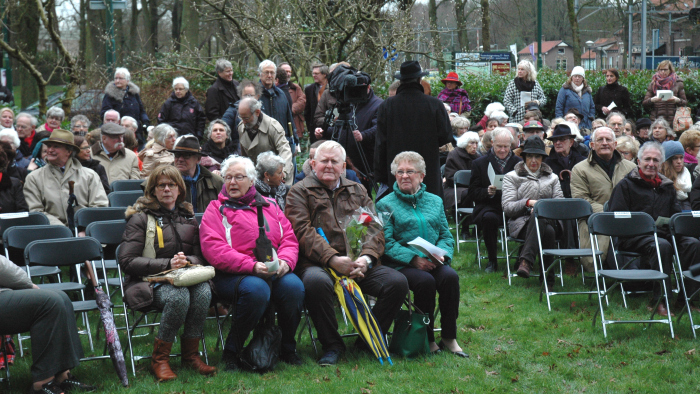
(461, 179)
(109, 234)
(124, 199)
(625, 224)
(85, 216)
(125, 185)
(509, 252)
(686, 225)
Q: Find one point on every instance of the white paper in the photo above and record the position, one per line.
(428, 249)
(525, 97)
(622, 215)
(14, 215)
(612, 105)
(664, 94)
(496, 180)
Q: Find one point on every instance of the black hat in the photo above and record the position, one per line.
(534, 146)
(410, 69)
(560, 131)
(532, 106)
(575, 112)
(643, 122)
(112, 129)
(187, 144)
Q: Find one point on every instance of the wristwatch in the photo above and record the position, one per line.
(369, 262)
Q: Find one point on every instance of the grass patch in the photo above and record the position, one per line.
(515, 344)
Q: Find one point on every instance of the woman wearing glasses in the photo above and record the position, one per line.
(175, 244)
(664, 79)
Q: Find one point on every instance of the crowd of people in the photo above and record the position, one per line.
(236, 154)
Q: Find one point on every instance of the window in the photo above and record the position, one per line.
(561, 64)
(561, 51)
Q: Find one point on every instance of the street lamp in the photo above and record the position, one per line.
(589, 44)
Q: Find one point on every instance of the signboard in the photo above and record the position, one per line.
(102, 4)
(467, 56)
(477, 67)
(494, 56)
(500, 67)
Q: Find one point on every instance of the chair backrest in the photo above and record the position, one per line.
(442, 170)
(563, 208)
(621, 224)
(21, 236)
(462, 178)
(108, 232)
(22, 219)
(199, 217)
(124, 199)
(86, 216)
(125, 185)
(685, 224)
(72, 251)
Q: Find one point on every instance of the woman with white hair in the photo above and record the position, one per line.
(460, 158)
(54, 118)
(491, 108)
(182, 110)
(10, 136)
(270, 183)
(164, 137)
(124, 97)
(522, 89)
(661, 131)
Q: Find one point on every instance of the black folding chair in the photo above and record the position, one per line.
(199, 217)
(125, 185)
(124, 199)
(109, 233)
(9, 220)
(462, 179)
(509, 253)
(85, 216)
(624, 225)
(561, 209)
(686, 225)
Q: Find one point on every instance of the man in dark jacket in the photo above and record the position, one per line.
(275, 103)
(411, 121)
(124, 97)
(203, 187)
(645, 190)
(223, 92)
(182, 110)
(488, 212)
(563, 158)
(313, 93)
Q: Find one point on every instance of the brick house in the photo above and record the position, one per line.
(556, 55)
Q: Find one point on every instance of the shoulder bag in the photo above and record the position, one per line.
(410, 338)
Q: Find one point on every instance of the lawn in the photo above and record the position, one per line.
(515, 343)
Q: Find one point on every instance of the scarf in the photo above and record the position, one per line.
(578, 89)
(217, 153)
(501, 163)
(607, 166)
(278, 193)
(244, 201)
(524, 86)
(535, 174)
(192, 183)
(655, 182)
(663, 83)
(253, 130)
(458, 99)
(30, 139)
(47, 128)
(687, 158)
(683, 185)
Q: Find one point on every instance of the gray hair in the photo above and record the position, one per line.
(502, 132)
(468, 137)
(266, 63)
(32, 118)
(183, 81)
(12, 134)
(329, 146)
(251, 103)
(602, 128)
(56, 112)
(614, 113)
(207, 132)
(124, 72)
(498, 116)
(459, 123)
(133, 122)
(651, 145)
(161, 132)
(110, 111)
(79, 118)
(411, 157)
(247, 165)
(660, 121)
(268, 162)
(322, 68)
(222, 65)
(530, 68)
(245, 83)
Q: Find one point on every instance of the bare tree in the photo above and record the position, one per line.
(485, 26)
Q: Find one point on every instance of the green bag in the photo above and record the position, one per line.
(410, 338)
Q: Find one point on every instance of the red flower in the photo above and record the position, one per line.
(365, 219)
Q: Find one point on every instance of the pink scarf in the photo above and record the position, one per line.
(690, 159)
(663, 83)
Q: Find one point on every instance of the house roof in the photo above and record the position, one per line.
(588, 55)
(546, 46)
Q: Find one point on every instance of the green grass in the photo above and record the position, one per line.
(515, 343)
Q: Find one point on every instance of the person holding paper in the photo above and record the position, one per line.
(612, 96)
(664, 79)
(522, 89)
(576, 93)
(416, 213)
(530, 181)
(228, 244)
(644, 189)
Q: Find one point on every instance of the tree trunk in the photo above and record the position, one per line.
(134, 26)
(190, 24)
(176, 24)
(153, 19)
(485, 26)
(571, 13)
(27, 39)
(461, 19)
(435, 35)
(82, 26)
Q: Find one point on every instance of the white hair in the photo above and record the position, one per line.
(329, 146)
(161, 132)
(32, 118)
(466, 138)
(413, 158)
(207, 132)
(266, 63)
(247, 165)
(129, 119)
(493, 107)
(603, 128)
(109, 111)
(124, 73)
(498, 115)
(182, 81)
(650, 145)
(251, 103)
(530, 68)
(222, 65)
(268, 162)
(502, 132)
(12, 134)
(56, 112)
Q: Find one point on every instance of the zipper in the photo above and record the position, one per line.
(421, 220)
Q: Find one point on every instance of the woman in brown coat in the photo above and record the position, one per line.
(164, 200)
(665, 79)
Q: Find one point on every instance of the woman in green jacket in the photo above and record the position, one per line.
(417, 213)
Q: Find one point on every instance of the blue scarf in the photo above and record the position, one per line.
(192, 183)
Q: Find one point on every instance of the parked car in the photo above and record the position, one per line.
(86, 102)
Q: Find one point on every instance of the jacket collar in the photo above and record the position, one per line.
(521, 171)
(409, 198)
(114, 92)
(151, 206)
(98, 150)
(591, 161)
(637, 179)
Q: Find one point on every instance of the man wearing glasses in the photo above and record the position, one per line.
(275, 103)
(202, 186)
(25, 124)
(119, 162)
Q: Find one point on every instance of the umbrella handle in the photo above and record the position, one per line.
(71, 185)
(88, 265)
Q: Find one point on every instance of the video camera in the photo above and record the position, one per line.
(349, 86)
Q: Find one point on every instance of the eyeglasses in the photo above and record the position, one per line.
(246, 118)
(268, 73)
(85, 148)
(238, 178)
(409, 173)
(79, 126)
(162, 186)
(598, 140)
(119, 79)
(185, 156)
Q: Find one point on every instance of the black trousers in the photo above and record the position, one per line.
(387, 284)
(549, 231)
(424, 284)
(490, 223)
(48, 315)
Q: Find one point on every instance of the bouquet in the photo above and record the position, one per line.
(359, 229)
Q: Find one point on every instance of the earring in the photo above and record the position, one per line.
(267, 180)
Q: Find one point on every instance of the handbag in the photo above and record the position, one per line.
(263, 350)
(682, 120)
(410, 337)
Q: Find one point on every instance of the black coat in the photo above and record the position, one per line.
(276, 105)
(411, 121)
(127, 103)
(457, 160)
(694, 195)
(185, 115)
(311, 93)
(220, 95)
(615, 92)
(100, 170)
(558, 166)
(479, 184)
(12, 195)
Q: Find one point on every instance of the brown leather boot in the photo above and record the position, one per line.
(190, 356)
(523, 269)
(160, 363)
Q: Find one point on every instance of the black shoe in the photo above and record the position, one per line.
(47, 388)
(329, 358)
(230, 361)
(291, 358)
(458, 354)
(71, 385)
(491, 268)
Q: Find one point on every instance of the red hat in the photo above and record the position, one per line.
(452, 77)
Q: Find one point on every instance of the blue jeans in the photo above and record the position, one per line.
(253, 299)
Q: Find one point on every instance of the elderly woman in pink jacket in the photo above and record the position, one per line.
(228, 233)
